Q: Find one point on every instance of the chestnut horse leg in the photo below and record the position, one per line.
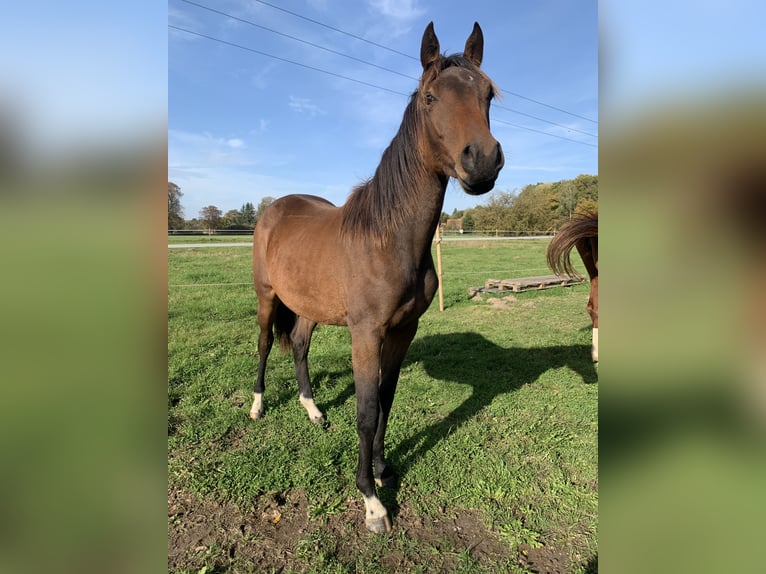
(267, 305)
(301, 340)
(593, 311)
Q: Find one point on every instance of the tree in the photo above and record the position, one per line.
(533, 209)
(568, 201)
(468, 223)
(496, 213)
(210, 216)
(247, 215)
(231, 219)
(175, 211)
(265, 202)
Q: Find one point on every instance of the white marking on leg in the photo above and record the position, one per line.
(256, 411)
(315, 415)
(594, 350)
(375, 515)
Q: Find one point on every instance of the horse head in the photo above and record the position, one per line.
(454, 97)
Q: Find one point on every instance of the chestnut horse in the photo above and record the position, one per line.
(367, 264)
(581, 232)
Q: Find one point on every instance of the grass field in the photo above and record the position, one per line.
(172, 239)
(493, 431)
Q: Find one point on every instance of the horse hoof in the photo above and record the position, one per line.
(379, 525)
(386, 480)
(255, 415)
(318, 420)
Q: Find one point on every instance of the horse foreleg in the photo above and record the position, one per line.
(394, 350)
(365, 351)
(301, 340)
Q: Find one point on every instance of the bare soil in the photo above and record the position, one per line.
(277, 535)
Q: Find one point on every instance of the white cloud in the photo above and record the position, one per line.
(187, 149)
(398, 9)
(305, 106)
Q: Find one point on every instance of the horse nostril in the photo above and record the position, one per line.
(468, 157)
(499, 157)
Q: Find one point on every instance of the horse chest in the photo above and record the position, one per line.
(416, 297)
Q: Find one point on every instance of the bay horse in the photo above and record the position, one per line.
(367, 264)
(580, 232)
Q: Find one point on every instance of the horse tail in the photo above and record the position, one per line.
(283, 326)
(579, 229)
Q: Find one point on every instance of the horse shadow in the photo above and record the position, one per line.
(470, 359)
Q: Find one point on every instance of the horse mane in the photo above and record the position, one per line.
(378, 206)
(579, 228)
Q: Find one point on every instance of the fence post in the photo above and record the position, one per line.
(438, 239)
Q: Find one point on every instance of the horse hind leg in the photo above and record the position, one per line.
(267, 305)
(593, 312)
(300, 339)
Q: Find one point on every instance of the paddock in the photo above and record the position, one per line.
(508, 391)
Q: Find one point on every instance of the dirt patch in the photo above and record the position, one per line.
(502, 302)
(544, 560)
(277, 534)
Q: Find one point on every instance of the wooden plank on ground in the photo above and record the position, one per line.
(525, 284)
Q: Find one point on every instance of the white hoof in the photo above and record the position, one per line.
(594, 349)
(376, 516)
(256, 411)
(315, 415)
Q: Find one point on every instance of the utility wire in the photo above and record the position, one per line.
(542, 132)
(277, 32)
(408, 56)
(544, 120)
(336, 30)
(261, 53)
(549, 106)
(251, 23)
(285, 60)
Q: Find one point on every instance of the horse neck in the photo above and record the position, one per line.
(421, 198)
(413, 191)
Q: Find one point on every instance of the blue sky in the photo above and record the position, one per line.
(242, 126)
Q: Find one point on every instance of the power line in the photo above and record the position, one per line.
(542, 132)
(366, 62)
(286, 60)
(549, 106)
(266, 54)
(409, 56)
(337, 30)
(251, 23)
(544, 120)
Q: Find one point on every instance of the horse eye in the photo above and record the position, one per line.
(430, 99)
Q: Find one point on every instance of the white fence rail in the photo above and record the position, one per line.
(483, 233)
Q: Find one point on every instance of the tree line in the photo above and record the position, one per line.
(211, 217)
(537, 208)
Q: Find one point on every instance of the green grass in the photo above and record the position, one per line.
(224, 238)
(496, 409)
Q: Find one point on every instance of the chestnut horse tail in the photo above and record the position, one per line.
(283, 326)
(579, 229)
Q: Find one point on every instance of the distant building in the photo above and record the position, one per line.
(454, 224)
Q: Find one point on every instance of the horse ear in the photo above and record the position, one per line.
(429, 47)
(474, 45)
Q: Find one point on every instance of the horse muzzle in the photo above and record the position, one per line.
(477, 170)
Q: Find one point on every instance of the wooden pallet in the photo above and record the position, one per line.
(525, 284)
